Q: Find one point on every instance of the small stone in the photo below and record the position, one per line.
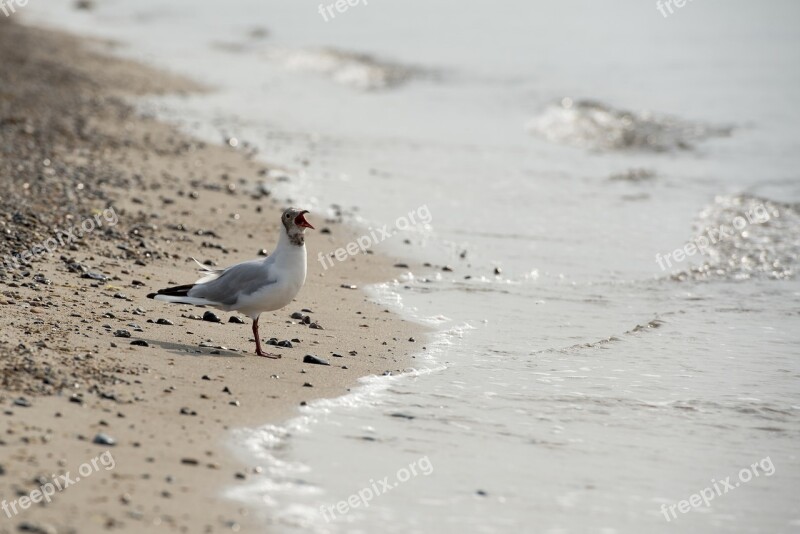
(140, 343)
(316, 326)
(447, 269)
(189, 461)
(187, 411)
(104, 439)
(165, 322)
(297, 315)
(206, 377)
(122, 333)
(211, 317)
(349, 286)
(498, 270)
(22, 402)
(313, 359)
(412, 340)
(236, 320)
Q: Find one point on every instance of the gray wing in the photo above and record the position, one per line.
(241, 279)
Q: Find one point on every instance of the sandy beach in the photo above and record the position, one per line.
(93, 370)
(554, 270)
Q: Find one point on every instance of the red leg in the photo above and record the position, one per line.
(258, 343)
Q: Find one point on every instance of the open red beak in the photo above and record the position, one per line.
(301, 221)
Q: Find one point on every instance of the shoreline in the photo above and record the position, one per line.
(72, 378)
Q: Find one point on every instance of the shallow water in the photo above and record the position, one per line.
(584, 387)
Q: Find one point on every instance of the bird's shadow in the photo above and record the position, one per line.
(182, 349)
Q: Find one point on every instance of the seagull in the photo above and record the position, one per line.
(252, 287)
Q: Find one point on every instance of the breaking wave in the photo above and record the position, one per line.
(769, 247)
(590, 124)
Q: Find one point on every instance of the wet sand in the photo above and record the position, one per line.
(72, 149)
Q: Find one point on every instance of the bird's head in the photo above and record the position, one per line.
(295, 223)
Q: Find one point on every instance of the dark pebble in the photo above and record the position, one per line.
(187, 411)
(165, 322)
(104, 439)
(313, 359)
(122, 333)
(23, 402)
(211, 317)
(236, 320)
(316, 326)
(140, 343)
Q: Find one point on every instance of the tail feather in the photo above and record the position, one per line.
(176, 291)
(194, 301)
(178, 295)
